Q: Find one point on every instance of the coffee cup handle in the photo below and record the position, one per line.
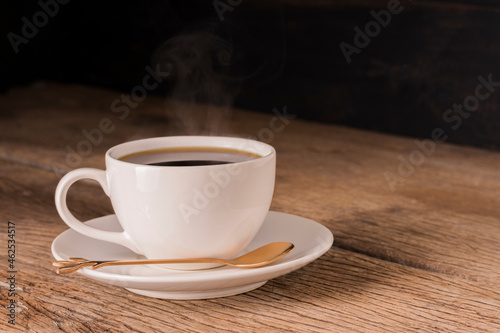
(62, 208)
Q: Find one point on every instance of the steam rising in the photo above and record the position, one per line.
(199, 64)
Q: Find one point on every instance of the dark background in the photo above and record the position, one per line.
(267, 54)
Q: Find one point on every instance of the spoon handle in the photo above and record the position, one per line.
(100, 264)
(74, 264)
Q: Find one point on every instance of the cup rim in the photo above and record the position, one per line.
(115, 153)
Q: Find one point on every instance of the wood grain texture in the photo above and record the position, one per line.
(423, 257)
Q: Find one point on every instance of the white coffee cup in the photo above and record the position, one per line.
(181, 211)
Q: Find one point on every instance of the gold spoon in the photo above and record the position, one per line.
(260, 257)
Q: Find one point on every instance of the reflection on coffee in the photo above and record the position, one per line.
(189, 156)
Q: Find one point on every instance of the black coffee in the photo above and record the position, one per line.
(192, 156)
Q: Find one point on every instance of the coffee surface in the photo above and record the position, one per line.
(189, 163)
(192, 156)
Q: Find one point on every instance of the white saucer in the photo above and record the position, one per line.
(310, 238)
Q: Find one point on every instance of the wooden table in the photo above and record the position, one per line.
(420, 253)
